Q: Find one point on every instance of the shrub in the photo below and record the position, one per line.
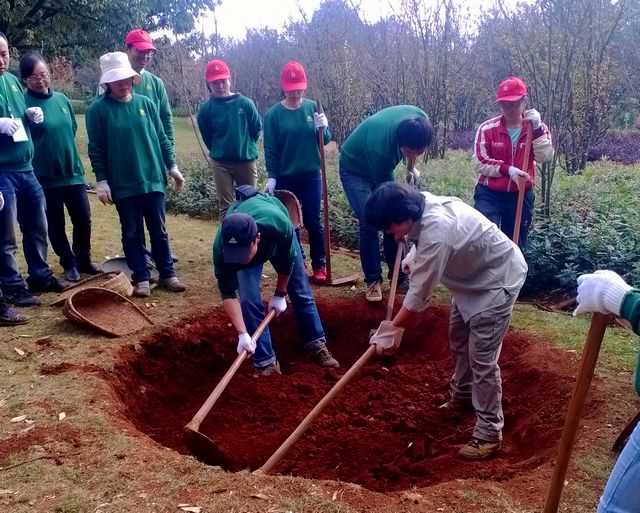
(199, 197)
(462, 140)
(79, 106)
(617, 145)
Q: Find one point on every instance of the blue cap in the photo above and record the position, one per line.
(238, 231)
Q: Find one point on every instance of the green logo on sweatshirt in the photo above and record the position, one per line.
(142, 112)
(65, 110)
(241, 111)
(309, 119)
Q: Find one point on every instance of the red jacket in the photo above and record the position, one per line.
(493, 153)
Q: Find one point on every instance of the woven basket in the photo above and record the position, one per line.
(292, 205)
(113, 280)
(106, 311)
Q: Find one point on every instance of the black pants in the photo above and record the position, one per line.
(74, 197)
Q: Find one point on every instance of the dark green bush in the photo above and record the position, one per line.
(199, 198)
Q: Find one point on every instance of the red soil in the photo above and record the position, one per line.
(383, 431)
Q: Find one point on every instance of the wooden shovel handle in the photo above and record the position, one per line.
(217, 392)
(325, 197)
(308, 420)
(574, 412)
(522, 185)
(394, 280)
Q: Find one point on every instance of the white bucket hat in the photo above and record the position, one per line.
(116, 66)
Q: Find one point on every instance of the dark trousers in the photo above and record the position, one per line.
(74, 198)
(135, 212)
(309, 194)
(500, 208)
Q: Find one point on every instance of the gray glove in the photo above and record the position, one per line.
(8, 126)
(387, 338)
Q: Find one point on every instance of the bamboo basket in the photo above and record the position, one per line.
(112, 280)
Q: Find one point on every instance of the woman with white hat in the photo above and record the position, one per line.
(131, 156)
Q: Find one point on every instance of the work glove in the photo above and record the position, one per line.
(387, 338)
(602, 291)
(104, 192)
(277, 303)
(409, 261)
(174, 173)
(35, 115)
(1, 201)
(8, 126)
(245, 342)
(534, 116)
(320, 120)
(515, 173)
(271, 186)
(413, 176)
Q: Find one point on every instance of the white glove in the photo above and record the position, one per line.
(271, 186)
(174, 173)
(413, 176)
(104, 192)
(320, 120)
(534, 116)
(1, 201)
(279, 304)
(515, 174)
(409, 261)
(8, 126)
(35, 115)
(602, 291)
(387, 338)
(245, 342)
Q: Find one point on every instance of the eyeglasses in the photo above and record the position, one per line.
(41, 76)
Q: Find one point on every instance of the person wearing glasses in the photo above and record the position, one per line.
(59, 169)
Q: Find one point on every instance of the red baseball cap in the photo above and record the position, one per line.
(293, 77)
(217, 70)
(511, 89)
(140, 40)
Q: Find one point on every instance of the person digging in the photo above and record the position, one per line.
(257, 229)
(459, 247)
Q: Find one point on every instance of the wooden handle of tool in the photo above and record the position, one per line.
(325, 198)
(522, 185)
(394, 281)
(574, 412)
(217, 392)
(304, 425)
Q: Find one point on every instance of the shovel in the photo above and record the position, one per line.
(317, 410)
(327, 230)
(521, 187)
(200, 445)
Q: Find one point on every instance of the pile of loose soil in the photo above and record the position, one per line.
(384, 431)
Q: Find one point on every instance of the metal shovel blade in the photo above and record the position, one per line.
(203, 448)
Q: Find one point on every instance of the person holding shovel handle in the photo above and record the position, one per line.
(255, 230)
(484, 270)
(606, 292)
(498, 155)
(368, 158)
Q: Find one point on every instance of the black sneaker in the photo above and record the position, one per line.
(72, 274)
(53, 285)
(323, 358)
(89, 268)
(20, 296)
(9, 317)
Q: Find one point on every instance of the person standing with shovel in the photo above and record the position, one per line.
(483, 269)
(255, 230)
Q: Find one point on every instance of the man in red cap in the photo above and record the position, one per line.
(139, 48)
(499, 158)
(230, 126)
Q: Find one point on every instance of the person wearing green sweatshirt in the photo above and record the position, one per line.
(368, 158)
(131, 157)
(230, 127)
(255, 230)
(24, 202)
(292, 156)
(59, 169)
(606, 292)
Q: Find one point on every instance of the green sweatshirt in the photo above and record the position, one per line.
(291, 141)
(372, 149)
(14, 156)
(56, 161)
(153, 87)
(630, 310)
(128, 146)
(230, 127)
(277, 242)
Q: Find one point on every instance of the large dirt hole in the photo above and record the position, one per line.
(384, 431)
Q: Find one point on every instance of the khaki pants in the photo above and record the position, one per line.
(226, 172)
(475, 348)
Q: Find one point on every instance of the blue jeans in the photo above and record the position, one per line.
(622, 492)
(500, 208)
(304, 306)
(24, 205)
(358, 189)
(135, 212)
(309, 194)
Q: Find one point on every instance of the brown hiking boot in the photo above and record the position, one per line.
(172, 284)
(477, 449)
(374, 292)
(322, 357)
(267, 370)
